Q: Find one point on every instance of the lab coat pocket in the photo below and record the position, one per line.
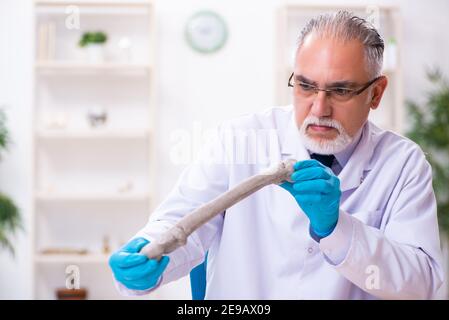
(371, 218)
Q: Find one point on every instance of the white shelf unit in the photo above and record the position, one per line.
(71, 258)
(61, 67)
(292, 17)
(96, 135)
(91, 182)
(91, 197)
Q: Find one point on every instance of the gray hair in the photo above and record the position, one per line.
(346, 26)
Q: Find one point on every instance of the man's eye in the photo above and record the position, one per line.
(305, 86)
(341, 91)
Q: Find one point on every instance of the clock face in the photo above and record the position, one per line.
(206, 32)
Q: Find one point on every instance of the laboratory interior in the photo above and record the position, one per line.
(109, 107)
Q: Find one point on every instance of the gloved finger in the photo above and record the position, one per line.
(310, 173)
(135, 245)
(287, 186)
(306, 164)
(157, 267)
(335, 182)
(147, 270)
(143, 270)
(313, 186)
(151, 269)
(126, 260)
(162, 264)
(138, 285)
(309, 199)
(118, 275)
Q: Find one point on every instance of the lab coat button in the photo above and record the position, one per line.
(310, 250)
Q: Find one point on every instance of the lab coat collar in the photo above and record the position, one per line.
(353, 172)
(343, 156)
(291, 145)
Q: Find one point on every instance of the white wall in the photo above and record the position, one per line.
(191, 87)
(16, 167)
(206, 89)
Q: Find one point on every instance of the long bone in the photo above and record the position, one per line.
(176, 236)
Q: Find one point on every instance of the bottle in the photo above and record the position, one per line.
(106, 246)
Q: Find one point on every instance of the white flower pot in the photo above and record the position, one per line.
(95, 53)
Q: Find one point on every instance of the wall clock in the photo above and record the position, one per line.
(206, 32)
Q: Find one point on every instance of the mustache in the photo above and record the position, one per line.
(322, 122)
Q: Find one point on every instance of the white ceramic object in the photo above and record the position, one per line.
(95, 53)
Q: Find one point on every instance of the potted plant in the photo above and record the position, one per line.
(10, 220)
(430, 129)
(94, 44)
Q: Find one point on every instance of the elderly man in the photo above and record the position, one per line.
(357, 222)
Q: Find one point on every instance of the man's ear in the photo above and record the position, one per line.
(378, 91)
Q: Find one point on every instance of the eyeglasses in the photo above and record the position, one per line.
(338, 94)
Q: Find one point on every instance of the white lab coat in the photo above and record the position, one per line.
(385, 245)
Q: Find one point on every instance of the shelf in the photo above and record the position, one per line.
(93, 134)
(98, 7)
(107, 179)
(71, 258)
(74, 67)
(91, 197)
(99, 10)
(121, 3)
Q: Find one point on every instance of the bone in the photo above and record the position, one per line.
(177, 235)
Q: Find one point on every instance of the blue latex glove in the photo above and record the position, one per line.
(134, 270)
(317, 191)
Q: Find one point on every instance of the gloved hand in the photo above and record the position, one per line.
(317, 191)
(134, 270)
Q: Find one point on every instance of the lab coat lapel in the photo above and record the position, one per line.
(291, 145)
(352, 174)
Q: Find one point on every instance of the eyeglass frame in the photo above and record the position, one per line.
(354, 92)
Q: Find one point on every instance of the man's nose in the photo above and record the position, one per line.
(321, 106)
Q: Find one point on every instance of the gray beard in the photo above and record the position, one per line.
(325, 146)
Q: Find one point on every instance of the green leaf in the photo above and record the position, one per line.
(10, 222)
(92, 37)
(430, 129)
(4, 135)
